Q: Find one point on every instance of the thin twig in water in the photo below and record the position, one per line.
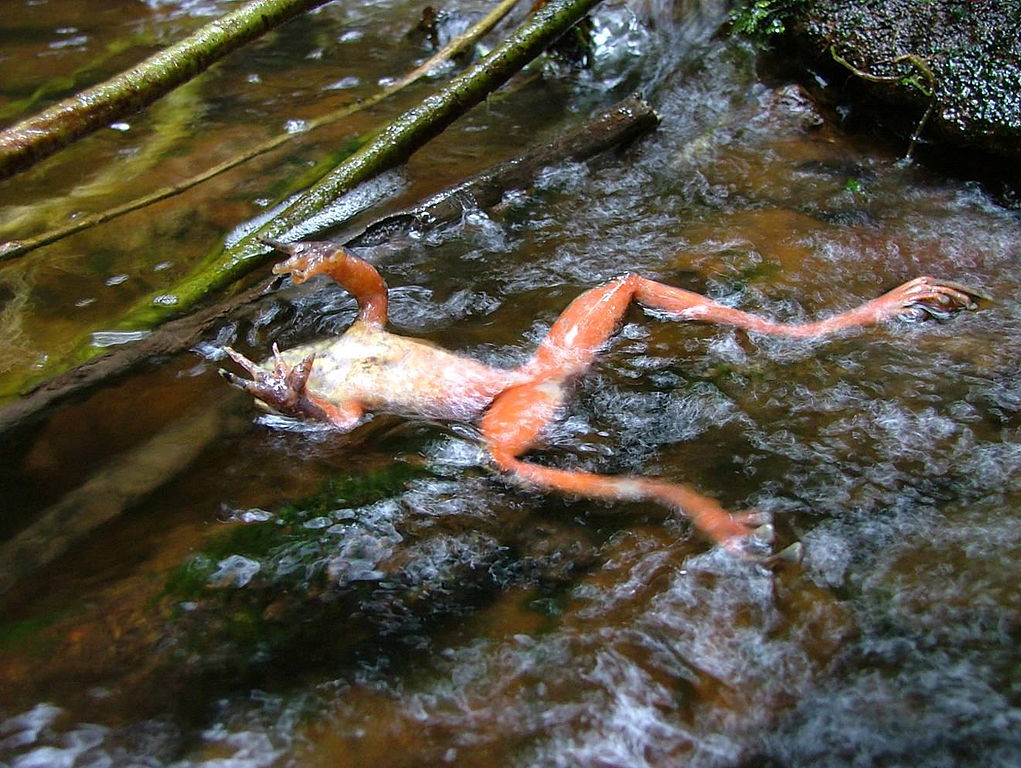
(26, 143)
(919, 64)
(17, 248)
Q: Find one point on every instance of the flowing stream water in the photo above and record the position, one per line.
(266, 594)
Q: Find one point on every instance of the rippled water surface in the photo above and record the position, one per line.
(280, 596)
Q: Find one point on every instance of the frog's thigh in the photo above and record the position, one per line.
(519, 415)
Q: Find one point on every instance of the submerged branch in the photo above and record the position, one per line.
(125, 481)
(612, 127)
(390, 147)
(40, 136)
(17, 248)
(175, 115)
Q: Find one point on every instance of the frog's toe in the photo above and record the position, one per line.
(297, 377)
(277, 245)
(928, 298)
(753, 517)
(234, 380)
(252, 367)
(792, 553)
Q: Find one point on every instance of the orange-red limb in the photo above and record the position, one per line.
(516, 418)
(358, 277)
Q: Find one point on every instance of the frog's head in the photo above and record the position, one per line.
(306, 259)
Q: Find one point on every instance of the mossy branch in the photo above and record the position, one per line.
(387, 149)
(38, 137)
(17, 248)
(390, 147)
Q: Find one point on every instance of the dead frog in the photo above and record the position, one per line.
(368, 369)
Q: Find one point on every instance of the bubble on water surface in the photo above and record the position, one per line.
(115, 338)
(235, 570)
(344, 83)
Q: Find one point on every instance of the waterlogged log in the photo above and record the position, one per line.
(127, 480)
(612, 127)
(40, 136)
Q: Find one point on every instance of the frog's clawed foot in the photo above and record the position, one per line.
(757, 545)
(929, 297)
(283, 390)
(306, 258)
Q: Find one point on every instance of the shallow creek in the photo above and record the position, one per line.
(284, 597)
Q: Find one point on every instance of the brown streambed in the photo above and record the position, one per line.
(480, 625)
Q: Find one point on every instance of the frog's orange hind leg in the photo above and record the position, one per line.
(584, 327)
(516, 418)
(916, 299)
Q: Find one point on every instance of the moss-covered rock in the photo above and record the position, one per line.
(359, 561)
(971, 47)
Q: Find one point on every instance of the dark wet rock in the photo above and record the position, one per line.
(553, 553)
(790, 107)
(350, 565)
(972, 48)
(368, 561)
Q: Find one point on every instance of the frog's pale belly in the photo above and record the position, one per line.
(393, 374)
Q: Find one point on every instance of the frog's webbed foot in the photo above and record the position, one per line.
(284, 389)
(929, 297)
(756, 544)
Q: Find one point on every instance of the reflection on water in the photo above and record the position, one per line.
(295, 599)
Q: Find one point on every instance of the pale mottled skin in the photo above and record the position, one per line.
(368, 369)
(387, 373)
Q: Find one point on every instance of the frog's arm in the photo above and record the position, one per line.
(308, 259)
(285, 390)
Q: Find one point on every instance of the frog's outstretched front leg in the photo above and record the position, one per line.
(285, 390)
(308, 259)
